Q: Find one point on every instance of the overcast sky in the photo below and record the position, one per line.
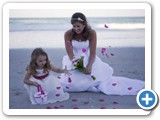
(23, 13)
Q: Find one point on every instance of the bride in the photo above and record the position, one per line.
(81, 41)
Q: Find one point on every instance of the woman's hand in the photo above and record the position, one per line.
(88, 69)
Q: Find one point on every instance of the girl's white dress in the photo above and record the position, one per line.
(104, 82)
(50, 84)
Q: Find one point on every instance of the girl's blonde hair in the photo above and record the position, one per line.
(35, 54)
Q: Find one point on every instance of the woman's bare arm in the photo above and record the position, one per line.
(68, 45)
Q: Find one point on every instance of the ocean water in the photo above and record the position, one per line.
(49, 32)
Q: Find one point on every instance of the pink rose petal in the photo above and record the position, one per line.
(74, 100)
(103, 50)
(112, 54)
(61, 105)
(87, 102)
(75, 108)
(101, 100)
(84, 50)
(115, 102)
(67, 87)
(57, 95)
(56, 107)
(48, 107)
(106, 26)
(69, 80)
(58, 88)
(114, 84)
(130, 88)
(107, 56)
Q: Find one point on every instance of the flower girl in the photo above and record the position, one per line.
(39, 73)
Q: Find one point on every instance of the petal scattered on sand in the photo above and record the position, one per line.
(112, 54)
(130, 88)
(115, 102)
(56, 107)
(101, 100)
(86, 102)
(103, 108)
(75, 108)
(48, 107)
(61, 105)
(57, 95)
(107, 56)
(74, 100)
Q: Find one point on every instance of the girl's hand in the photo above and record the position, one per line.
(66, 71)
(35, 84)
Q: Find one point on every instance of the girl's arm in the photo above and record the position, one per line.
(27, 81)
(59, 70)
(68, 45)
(92, 44)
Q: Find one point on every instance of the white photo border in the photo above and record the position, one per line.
(5, 52)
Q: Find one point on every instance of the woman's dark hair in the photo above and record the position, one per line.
(80, 17)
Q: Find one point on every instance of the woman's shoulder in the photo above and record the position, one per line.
(92, 33)
(68, 34)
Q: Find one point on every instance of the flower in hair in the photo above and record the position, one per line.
(79, 19)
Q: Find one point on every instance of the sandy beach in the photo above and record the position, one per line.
(126, 62)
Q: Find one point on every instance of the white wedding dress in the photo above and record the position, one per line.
(105, 82)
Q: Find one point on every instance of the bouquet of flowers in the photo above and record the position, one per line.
(78, 65)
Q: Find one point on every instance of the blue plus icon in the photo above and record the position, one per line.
(147, 99)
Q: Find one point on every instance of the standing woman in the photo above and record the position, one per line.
(81, 40)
